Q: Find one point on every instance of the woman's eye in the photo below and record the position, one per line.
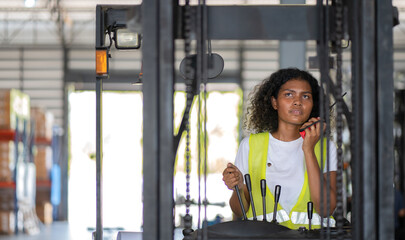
(288, 94)
(306, 97)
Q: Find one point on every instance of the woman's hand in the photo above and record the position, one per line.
(232, 177)
(312, 134)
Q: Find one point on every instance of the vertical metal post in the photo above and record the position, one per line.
(63, 207)
(99, 128)
(158, 75)
(365, 150)
(21, 77)
(150, 65)
(400, 139)
(99, 26)
(385, 93)
(292, 53)
(323, 56)
(367, 133)
(166, 109)
(357, 218)
(99, 158)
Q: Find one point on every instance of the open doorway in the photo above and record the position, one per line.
(122, 159)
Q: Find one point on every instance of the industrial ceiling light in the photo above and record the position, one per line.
(29, 3)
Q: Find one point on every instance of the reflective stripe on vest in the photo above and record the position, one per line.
(302, 218)
(281, 216)
(258, 149)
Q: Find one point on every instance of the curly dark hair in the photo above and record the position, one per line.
(261, 116)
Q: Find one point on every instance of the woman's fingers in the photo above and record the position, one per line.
(312, 124)
(231, 182)
(231, 176)
(313, 133)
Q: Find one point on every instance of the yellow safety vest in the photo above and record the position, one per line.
(258, 149)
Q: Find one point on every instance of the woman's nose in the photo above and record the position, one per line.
(297, 102)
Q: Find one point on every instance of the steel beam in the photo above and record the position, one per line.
(286, 22)
(150, 52)
(64, 156)
(292, 53)
(385, 120)
(364, 130)
(158, 72)
(400, 137)
(99, 127)
(278, 22)
(372, 129)
(99, 159)
(303, 17)
(166, 115)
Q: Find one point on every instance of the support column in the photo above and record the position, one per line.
(372, 140)
(292, 53)
(158, 87)
(385, 140)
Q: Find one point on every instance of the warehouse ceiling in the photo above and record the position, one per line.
(33, 40)
(72, 22)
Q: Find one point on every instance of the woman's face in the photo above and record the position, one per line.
(294, 102)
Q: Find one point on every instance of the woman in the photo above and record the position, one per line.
(275, 151)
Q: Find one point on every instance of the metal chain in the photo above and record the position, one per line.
(339, 120)
(189, 75)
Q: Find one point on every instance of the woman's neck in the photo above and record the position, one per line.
(286, 133)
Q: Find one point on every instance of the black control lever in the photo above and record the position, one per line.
(263, 188)
(241, 203)
(310, 209)
(249, 187)
(277, 192)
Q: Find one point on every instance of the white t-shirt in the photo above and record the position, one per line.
(286, 169)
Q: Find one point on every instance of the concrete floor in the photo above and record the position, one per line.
(62, 231)
(54, 231)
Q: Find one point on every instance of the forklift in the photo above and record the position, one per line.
(363, 26)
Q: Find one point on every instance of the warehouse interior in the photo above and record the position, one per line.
(56, 143)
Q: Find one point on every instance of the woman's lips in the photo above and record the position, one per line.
(296, 112)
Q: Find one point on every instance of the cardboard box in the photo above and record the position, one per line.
(43, 122)
(44, 212)
(7, 160)
(13, 104)
(7, 222)
(7, 151)
(7, 196)
(5, 174)
(43, 162)
(42, 195)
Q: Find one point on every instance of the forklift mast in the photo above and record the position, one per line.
(366, 24)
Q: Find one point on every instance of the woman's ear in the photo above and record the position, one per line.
(274, 103)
